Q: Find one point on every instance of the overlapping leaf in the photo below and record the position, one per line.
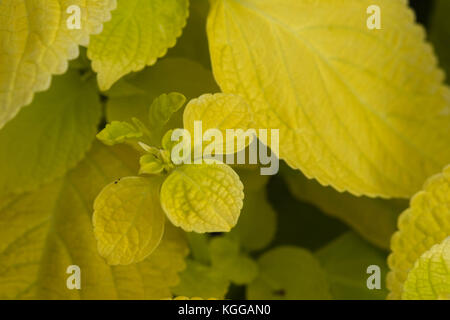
(430, 277)
(138, 34)
(425, 223)
(48, 230)
(374, 120)
(50, 136)
(36, 43)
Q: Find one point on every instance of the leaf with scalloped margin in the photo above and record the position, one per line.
(235, 114)
(430, 277)
(45, 231)
(425, 223)
(203, 197)
(374, 120)
(50, 136)
(289, 273)
(138, 34)
(35, 44)
(128, 220)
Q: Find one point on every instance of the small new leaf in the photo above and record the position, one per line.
(118, 132)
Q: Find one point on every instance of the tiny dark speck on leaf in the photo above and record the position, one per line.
(280, 292)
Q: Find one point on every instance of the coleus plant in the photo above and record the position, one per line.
(366, 113)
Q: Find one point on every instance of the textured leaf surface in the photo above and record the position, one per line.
(234, 265)
(425, 223)
(138, 34)
(128, 220)
(289, 273)
(234, 114)
(345, 261)
(373, 121)
(46, 231)
(430, 277)
(50, 136)
(199, 280)
(35, 44)
(203, 198)
(373, 219)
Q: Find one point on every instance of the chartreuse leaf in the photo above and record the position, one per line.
(345, 260)
(138, 34)
(163, 108)
(258, 221)
(203, 198)
(49, 137)
(352, 119)
(234, 265)
(373, 219)
(425, 223)
(35, 43)
(199, 280)
(430, 277)
(46, 231)
(119, 132)
(234, 114)
(440, 33)
(132, 95)
(128, 220)
(288, 273)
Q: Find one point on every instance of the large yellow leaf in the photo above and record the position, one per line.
(424, 224)
(35, 43)
(138, 34)
(44, 232)
(362, 110)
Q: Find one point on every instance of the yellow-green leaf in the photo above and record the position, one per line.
(374, 120)
(425, 223)
(288, 273)
(36, 43)
(118, 132)
(50, 136)
(345, 260)
(430, 277)
(138, 34)
(203, 198)
(373, 219)
(234, 114)
(233, 264)
(128, 220)
(46, 231)
(199, 280)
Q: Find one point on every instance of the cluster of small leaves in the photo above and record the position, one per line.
(369, 125)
